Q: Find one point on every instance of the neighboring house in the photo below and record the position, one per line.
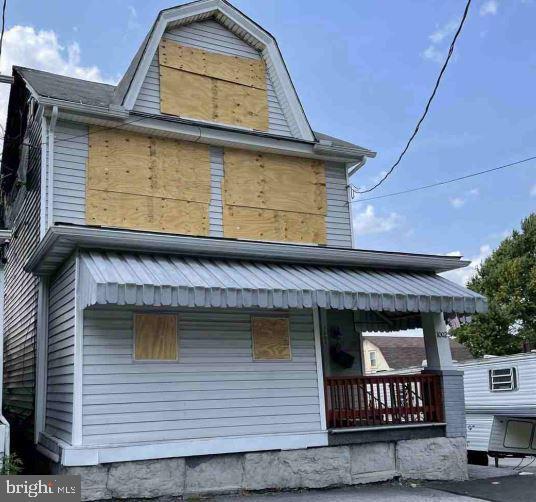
(384, 353)
(181, 286)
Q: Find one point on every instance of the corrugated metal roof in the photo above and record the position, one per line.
(155, 280)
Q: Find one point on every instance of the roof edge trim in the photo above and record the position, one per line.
(61, 240)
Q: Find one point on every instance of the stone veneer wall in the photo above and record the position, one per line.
(434, 459)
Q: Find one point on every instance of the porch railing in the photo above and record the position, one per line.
(383, 400)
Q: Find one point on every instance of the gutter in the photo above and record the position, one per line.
(112, 111)
(61, 241)
(218, 135)
(50, 170)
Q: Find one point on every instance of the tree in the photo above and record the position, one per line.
(508, 279)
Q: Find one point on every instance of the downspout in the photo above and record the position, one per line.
(50, 170)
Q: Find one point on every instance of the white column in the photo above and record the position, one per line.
(436, 342)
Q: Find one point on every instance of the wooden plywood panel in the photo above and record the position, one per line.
(147, 183)
(270, 338)
(199, 97)
(272, 181)
(123, 161)
(140, 212)
(186, 94)
(266, 224)
(240, 105)
(155, 337)
(245, 71)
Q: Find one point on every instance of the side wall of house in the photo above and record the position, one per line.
(214, 390)
(70, 161)
(60, 365)
(21, 291)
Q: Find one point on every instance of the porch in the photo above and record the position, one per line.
(216, 391)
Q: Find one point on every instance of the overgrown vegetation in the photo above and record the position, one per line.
(11, 464)
(508, 279)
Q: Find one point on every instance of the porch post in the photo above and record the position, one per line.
(436, 342)
(439, 362)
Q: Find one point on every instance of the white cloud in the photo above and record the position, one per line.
(489, 7)
(41, 49)
(474, 191)
(368, 222)
(456, 202)
(533, 191)
(437, 49)
(463, 275)
(132, 22)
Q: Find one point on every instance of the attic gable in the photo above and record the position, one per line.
(211, 33)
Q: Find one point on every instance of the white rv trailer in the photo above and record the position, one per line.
(500, 405)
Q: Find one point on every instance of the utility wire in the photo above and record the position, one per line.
(354, 190)
(446, 182)
(3, 26)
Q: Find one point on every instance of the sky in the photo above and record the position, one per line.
(363, 71)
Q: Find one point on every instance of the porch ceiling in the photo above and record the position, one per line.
(155, 280)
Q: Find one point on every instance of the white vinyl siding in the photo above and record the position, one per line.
(212, 36)
(21, 288)
(216, 178)
(60, 365)
(214, 390)
(338, 223)
(70, 158)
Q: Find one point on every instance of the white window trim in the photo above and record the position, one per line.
(514, 379)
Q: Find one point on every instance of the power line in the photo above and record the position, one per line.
(3, 26)
(446, 182)
(354, 190)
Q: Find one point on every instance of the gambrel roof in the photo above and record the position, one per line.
(123, 100)
(238, 23)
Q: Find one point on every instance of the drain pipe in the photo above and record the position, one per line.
(50, 167)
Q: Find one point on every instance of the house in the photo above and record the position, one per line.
(384, 353)
(184, 305)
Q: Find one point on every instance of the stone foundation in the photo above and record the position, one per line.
(435, 458)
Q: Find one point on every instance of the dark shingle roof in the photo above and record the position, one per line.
(86, 92)
(408, 351)
(70, 89)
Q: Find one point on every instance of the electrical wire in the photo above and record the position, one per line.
(446, 182)
(3, 26)
(354, 190)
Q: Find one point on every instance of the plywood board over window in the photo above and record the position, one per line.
(274, 197)
(214, 87)
(155, 337)
(147, 183)
(270, 338)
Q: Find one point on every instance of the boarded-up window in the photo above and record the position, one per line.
(271, 339)
(274, 197)
(147, 183)
(204, 85)
(155, 337)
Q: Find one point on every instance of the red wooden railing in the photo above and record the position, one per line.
(383, 400)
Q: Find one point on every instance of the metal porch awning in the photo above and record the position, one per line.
(112, 278)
